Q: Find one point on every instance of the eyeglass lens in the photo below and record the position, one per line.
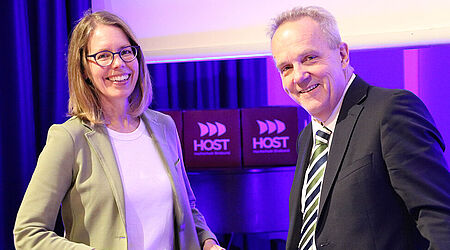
(105, 58)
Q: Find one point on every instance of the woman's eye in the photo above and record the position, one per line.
(103, 56)
(127, 52)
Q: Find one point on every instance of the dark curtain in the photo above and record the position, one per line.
(33, 93)
(209, 84)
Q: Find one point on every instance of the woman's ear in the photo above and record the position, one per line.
(85, 75)
(88, 81)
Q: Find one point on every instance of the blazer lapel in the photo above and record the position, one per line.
(348, 116)
(99, 140)
(158, 133)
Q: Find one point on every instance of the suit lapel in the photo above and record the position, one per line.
(348, 116)
(304, 149)
(304, 144)
(158, 133)
(99, 140)
(304, 152)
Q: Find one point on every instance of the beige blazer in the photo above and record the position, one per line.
(77, 170)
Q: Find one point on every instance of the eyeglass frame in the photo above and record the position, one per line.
(115, 53)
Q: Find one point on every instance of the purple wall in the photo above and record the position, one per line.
(381, 67)
(434, 87)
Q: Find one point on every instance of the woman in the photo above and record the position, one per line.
(115, 167)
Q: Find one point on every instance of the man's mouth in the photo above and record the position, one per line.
(119, 78)
(311, 88)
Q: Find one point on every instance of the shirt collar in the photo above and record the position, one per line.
(330, 123)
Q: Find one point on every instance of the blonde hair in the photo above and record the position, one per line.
(324, 18)
(83, 97)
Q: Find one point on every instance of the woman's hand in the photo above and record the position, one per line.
(211, 244)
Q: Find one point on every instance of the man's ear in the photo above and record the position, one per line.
(343, 53)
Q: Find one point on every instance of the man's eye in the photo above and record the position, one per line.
(309, 58)
(285, 68)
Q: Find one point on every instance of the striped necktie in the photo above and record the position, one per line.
(313, 182)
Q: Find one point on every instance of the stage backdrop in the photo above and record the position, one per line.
(204, 29)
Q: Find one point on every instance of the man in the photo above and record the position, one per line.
(370, 172)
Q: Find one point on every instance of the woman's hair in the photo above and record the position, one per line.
(83, 97)
(324, 18)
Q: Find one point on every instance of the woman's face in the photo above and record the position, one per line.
(114, 83)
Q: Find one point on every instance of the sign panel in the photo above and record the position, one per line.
(212, 138)
(269, 136)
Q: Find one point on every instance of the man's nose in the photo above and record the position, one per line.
(300, 75)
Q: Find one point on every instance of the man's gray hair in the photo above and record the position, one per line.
(324, 18)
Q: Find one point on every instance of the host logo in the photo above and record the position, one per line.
(217, 128)
(270, 142)
(208, 144)
(271, 126)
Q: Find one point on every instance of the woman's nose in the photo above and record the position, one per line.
(117, 61)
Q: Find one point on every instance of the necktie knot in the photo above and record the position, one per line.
(322, 136)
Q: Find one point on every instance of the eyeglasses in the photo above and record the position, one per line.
(106, 57)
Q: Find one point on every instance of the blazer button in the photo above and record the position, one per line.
(324, 244)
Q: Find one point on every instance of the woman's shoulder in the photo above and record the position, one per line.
(74, 126)
(72, 123)
(157, 116)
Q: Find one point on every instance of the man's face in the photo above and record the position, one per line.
(311, 72)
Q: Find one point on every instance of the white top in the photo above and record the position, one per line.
(147, 190)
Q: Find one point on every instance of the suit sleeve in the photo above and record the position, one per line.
(413, 150)
(49, 184)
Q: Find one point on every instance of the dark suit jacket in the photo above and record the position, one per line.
(386, 184)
